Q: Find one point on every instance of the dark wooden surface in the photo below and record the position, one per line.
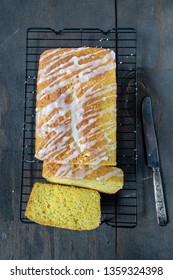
(153, 20)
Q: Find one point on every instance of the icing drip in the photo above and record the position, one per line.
(74, 117)
(75, 171)
(109, 175)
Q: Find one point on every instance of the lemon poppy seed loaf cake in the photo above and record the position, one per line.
(76, 125)
(106, 179)
(76, 106)
(64, 207)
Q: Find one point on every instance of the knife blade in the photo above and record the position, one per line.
(153, 160)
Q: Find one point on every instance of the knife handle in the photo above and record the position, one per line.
(159, 197)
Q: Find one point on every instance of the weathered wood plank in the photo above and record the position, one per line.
(155, 40)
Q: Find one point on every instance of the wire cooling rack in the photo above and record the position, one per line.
(119, 210)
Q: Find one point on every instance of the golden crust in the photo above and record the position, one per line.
(76, 106)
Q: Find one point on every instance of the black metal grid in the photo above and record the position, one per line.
(119, 210)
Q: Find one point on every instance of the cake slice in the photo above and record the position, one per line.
(106, 179)
(76, 106)
(64, 207)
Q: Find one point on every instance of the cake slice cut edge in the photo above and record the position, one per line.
(64, 207)
(106, 179)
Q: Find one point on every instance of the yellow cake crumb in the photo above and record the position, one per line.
(64, 207)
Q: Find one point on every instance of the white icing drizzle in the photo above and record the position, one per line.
(94, 69)
(74, 118)
(75, 171)
(44, 74)
(60, 105)
(73, 74)
(108, 175)
(98, 130)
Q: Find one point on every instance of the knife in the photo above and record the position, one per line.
(153, 159)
